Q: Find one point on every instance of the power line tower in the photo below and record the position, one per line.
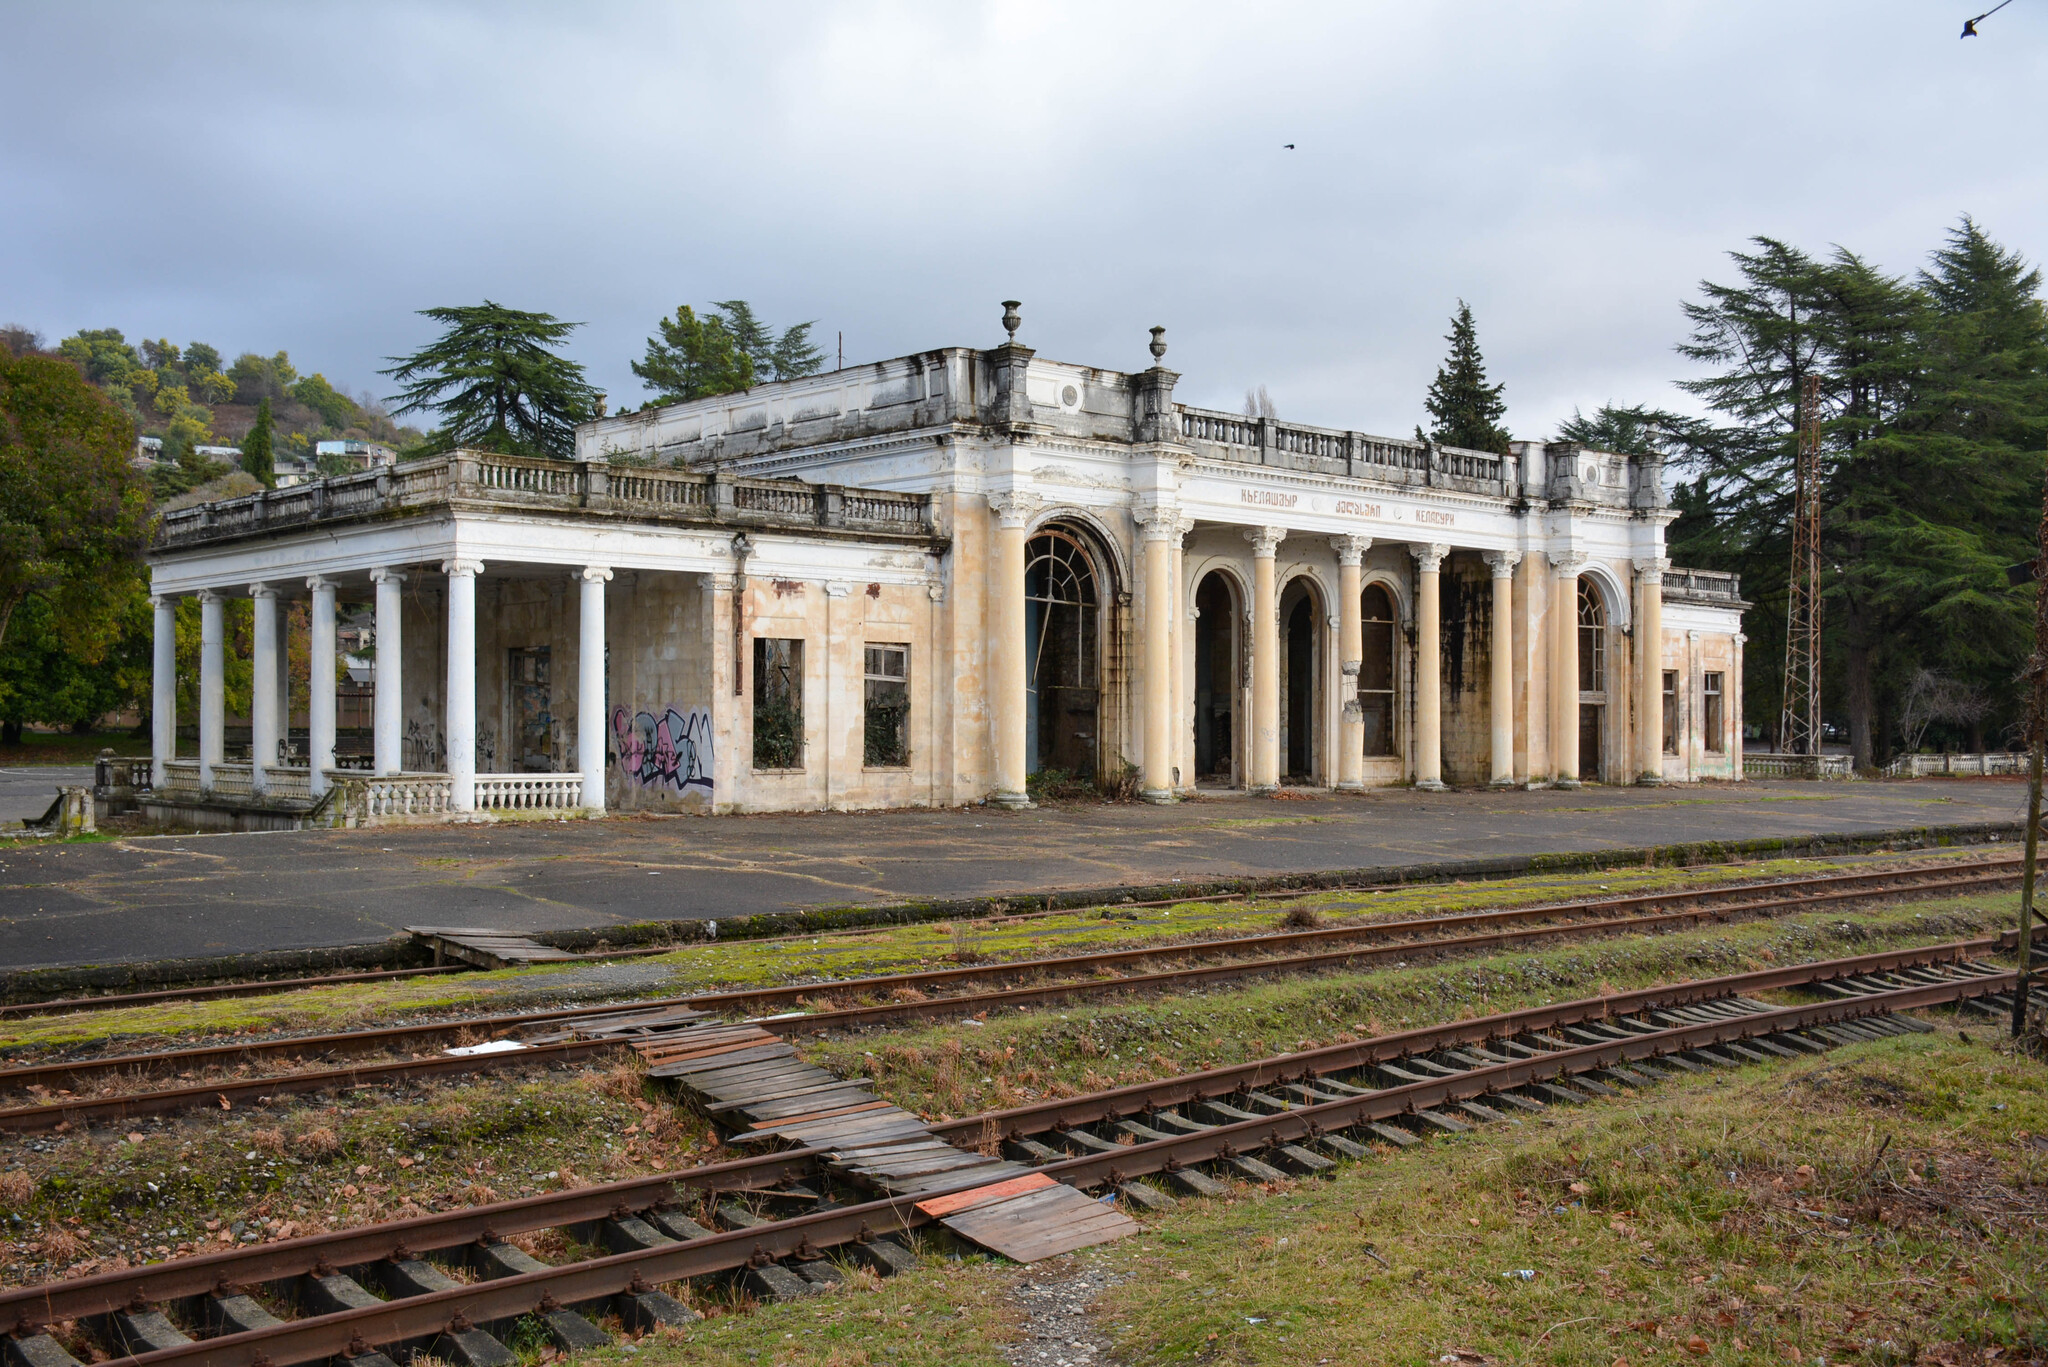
(1799, 729)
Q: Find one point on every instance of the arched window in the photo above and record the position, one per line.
(1592, 639)
(1376, 670)
(1062, 624)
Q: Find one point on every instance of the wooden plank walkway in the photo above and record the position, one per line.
(754, 1085)
(484, 948)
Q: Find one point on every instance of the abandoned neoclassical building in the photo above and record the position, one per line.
(924, 581)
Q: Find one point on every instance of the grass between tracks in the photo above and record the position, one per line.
(958, 1068)
(894, 949)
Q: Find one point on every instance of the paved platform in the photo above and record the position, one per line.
(186, 896)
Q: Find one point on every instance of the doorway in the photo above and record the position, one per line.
(1063, 651)
(1299, 641)
(533, 720)
(1217, 681)
(1592, 681)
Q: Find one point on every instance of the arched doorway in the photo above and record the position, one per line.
(1063, 652)
(1217, 680)
(1592, 680)
(1300, 653)
(1376, 670)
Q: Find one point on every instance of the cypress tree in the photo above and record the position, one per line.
(1466, 409)
(257, 457)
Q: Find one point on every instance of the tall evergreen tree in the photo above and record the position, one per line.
(257, 457)
(788, 356)
(1466, 409)
(695, 358)
(1935, 401)
(497, 382)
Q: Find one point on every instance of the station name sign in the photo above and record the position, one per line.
(1344, 507)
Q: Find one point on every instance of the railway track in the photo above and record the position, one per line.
(274, 986)
(580, 1033)
(768, 1221)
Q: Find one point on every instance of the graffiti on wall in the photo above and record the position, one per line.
(672, 750)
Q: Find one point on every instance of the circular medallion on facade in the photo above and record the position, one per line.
(1070, 397)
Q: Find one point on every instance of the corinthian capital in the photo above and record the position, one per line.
(1429, 556)
(1652, 568)
(1013, 507)
(1503, 563)
(1265, 540)
(1351, 549)
(1159, 523)
(1567, 562)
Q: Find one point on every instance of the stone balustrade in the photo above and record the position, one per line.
(529, 792)
(485, 481)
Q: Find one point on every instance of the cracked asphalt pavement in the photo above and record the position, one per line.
(158, 897)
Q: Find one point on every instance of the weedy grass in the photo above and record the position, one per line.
(740, 964)
(93, 1201)
(1887, 1203)
(957, 1068)
(942, 1314)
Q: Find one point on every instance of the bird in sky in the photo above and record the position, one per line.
(1970, 25)
(1290, 146)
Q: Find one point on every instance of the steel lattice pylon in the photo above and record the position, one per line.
(1799, 728)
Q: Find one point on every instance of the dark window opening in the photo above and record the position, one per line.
(1376, 670)
(778, 704)
(1216, 680)
(533, 719)
(1710, 714)
(1592, 680)
(1298, 682)
(1670, 712)
(1062, 644)
(885, 716)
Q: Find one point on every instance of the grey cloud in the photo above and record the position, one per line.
(270, 176)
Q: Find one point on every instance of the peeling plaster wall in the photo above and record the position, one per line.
(660, 688)
(1465, 602)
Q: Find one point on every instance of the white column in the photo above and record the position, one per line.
(163, 693)
(1009, 671)
(1159, 528)
(460, 703)
(1429, 689)
(263, 686)
(590, 699)
(212, 698)
(1564, 692)
(1350, 656)
(1501, 685)
(1265, 615)
(1650, 671)
(387, 720)
(320, 682)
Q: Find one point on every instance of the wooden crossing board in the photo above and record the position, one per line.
(756, 1086)
(484, 948)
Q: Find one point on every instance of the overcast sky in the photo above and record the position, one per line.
(266, 176)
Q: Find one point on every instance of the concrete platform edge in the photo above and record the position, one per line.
(33, 984)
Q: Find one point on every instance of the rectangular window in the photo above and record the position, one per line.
(778, 704)
(885, 723)
(1670, 711)
(1710, 715)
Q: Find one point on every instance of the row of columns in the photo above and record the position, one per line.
(1160, 532)
(267, 708)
